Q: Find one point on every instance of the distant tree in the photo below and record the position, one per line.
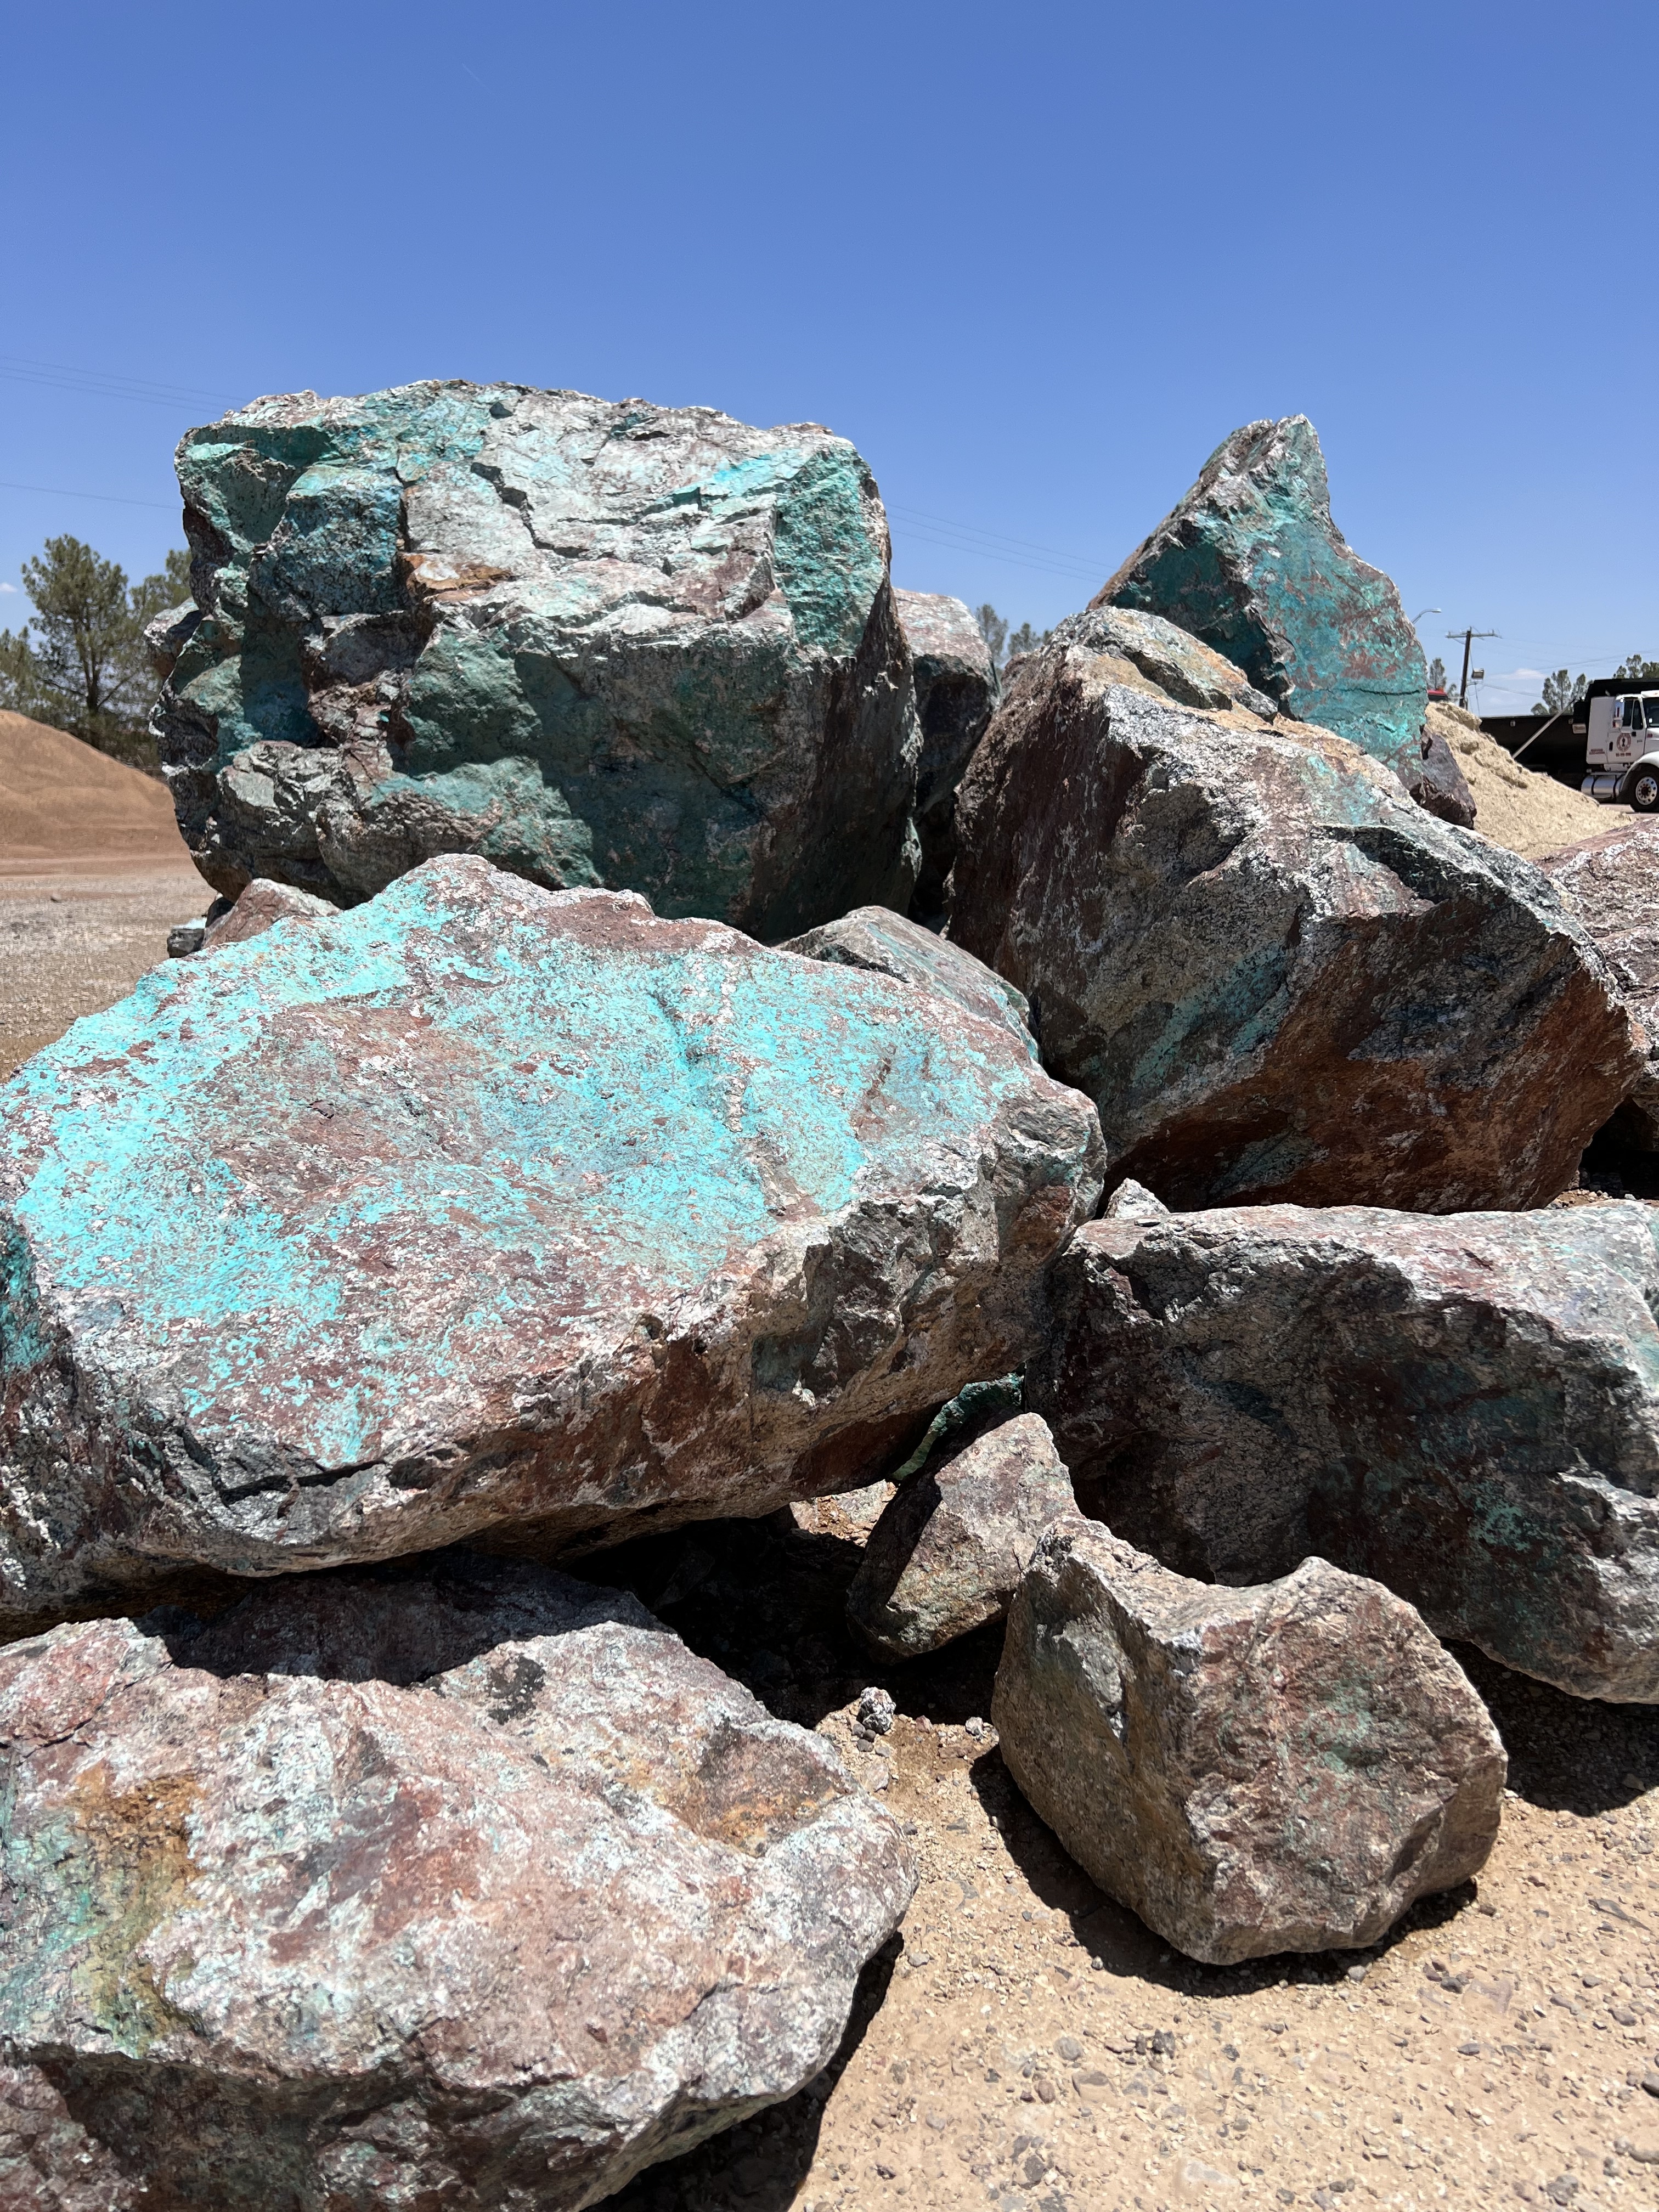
(1562, 693)
(1437, 675)
(1026, 639)
(994, 629)
(1638, 670)
(79, 662)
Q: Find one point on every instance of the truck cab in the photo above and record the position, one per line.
(1621, 749)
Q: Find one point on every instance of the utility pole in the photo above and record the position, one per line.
(1468, 637)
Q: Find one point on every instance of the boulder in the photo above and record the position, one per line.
(1610, 882)
(601, 643)
(948, 1551)
(1276, 977)
(1466, 1407)
(1283, 1768)
(260, 907)
(1250, 561)
(955, 681)
(483, 1206)
(478, 1889)
(887, 944)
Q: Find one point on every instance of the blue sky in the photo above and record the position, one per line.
(1035, 263)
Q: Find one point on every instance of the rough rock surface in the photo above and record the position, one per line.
(1466, 1408)
(1610, 882)
(948, 1553)
(600, 643)
(1274, 975)
(486, 1206)
(955, 681)
(479, 1890)
(887, 944)
(260, 907)
(1285, 1768)
(1251, 561)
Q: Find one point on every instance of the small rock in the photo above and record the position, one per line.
(1644, 2150)
(946, 1554)
(974, 1727)
(876, 1710)
(1281, 1768)
(185, 938)
(260, 907)
(1069, 2049)
(884, 943)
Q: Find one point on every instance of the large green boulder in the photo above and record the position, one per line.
(1250, 562)
(602, 644)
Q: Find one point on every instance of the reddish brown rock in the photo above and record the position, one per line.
(486, 1208)
(1612, 883)
(1282, 1768)
(1276, 977)
(948, 1551)
(477, 1889)
(260, 907)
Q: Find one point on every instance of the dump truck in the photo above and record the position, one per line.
(1619, 721)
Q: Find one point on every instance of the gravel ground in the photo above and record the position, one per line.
(77, 935)
(1027, 2045)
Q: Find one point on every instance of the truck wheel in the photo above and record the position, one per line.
(1644, 791)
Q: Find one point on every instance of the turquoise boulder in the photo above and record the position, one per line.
(1250, 562)
(484, 1212)
(602, 644)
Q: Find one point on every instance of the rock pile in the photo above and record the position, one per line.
(501, 1209)
(601, 643)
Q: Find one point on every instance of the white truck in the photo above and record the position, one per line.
(1620, 724)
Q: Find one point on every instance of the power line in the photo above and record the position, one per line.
(103, 384)
(110, 498)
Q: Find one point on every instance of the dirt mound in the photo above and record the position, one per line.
(1516, 806)
(60, 798)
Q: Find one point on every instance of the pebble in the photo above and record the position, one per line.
(876, 1710)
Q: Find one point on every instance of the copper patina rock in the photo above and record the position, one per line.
(476, 1889)
(1282, 1768)
(482, 1207)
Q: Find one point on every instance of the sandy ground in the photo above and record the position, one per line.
(76, 933)
(1028, 2046)
(1515, 805)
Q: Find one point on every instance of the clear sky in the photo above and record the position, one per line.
(1035, 262)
